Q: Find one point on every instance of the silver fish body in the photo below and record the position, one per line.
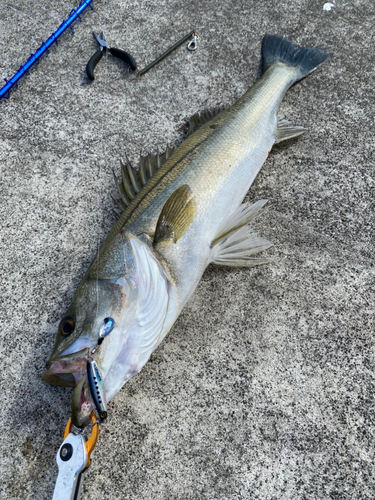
(186, 215)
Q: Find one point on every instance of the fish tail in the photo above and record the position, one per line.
(276, 49)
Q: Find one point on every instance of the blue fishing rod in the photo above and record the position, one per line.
(34, 58)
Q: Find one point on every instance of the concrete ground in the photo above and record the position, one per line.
(264, 389)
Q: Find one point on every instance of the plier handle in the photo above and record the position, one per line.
(121, 54)
(73, 458)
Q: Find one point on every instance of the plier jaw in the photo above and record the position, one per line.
(101, 40)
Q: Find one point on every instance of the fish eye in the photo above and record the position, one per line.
(107, 326)
(66, 326)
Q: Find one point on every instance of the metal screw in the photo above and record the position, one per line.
(66, 452)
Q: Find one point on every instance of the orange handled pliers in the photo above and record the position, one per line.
(73, 458)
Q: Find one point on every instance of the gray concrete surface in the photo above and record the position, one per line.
(264, 388)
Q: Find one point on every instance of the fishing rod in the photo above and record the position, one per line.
(34, 58)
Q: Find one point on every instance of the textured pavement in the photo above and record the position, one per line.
(264, 388)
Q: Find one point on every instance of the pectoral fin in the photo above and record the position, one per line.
(236, 243)
(285, 130)
(176, 216)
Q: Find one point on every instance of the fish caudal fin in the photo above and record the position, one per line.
(276, 48)
(236, 243)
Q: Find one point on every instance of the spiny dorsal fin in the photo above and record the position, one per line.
(236, 243)
(176, 216)
(285, 130)
(134, 179)
(203, 117)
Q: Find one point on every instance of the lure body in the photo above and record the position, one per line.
(95, 381)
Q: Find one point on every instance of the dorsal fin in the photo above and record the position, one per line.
(133, 179)
(203, 117)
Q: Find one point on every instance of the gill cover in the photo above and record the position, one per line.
(154, 316)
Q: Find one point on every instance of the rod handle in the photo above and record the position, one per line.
(92, 63)
(125, 56)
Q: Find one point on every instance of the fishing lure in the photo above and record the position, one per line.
(95, 380)
(94, 375)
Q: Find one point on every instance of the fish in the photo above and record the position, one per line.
(180, 212)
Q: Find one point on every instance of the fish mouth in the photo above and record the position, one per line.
(71, 371)
(82, 404)
(65, 371)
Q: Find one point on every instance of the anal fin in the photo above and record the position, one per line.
(176, 216)
(236, 243)
(285, 130)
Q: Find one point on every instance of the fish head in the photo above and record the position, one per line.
(100, 308)
(111, 298)
(93, 327)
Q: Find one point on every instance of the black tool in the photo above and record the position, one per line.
(191, 46)
(121, 54)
